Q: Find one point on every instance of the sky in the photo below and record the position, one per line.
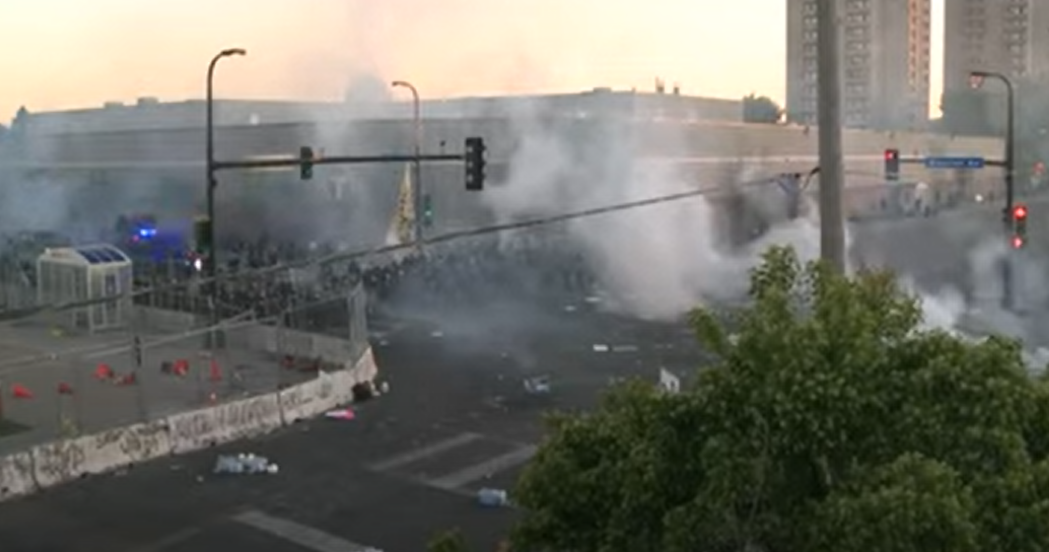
(62, 54)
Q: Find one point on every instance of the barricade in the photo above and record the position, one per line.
(16, 475)
(364, 371)
(313, 398)
(231, 421)
(65, 460)
(70, 459)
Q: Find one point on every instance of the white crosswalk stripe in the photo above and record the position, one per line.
(443, 462)
(476, 472)
(302, 535)
(427, 451)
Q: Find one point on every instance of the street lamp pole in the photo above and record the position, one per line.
(976, 79)
(212, 182)
(417, 164)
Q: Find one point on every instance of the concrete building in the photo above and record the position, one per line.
(884, 62)
(150, 114)
(1004, 36)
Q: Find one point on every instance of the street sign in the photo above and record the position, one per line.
(955, 162)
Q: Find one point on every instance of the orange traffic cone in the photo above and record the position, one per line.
(103, 372)
(21, 392)
(216, 372)
(65, 389)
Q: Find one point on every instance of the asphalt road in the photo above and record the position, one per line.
(457, 419)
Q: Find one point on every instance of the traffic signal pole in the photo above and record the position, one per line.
(976, 79)
(1008, 293)
(331, 160)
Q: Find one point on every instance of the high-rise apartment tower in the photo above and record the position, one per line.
(885, 51)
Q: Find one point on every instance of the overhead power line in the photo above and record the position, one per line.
(380, 250)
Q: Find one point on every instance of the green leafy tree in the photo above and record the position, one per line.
(448, 541)
(761, 109)
(832, 421)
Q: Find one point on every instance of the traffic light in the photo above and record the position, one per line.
(892, 164)
(203, 241)
(202, 235)
(1019, 226)
(427, 210)
(474, 161)
(306, 162)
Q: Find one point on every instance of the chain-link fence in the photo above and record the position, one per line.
(56, 384)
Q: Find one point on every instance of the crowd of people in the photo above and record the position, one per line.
(461, 274)
(438, 277)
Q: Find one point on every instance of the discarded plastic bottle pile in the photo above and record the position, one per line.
(244, 464)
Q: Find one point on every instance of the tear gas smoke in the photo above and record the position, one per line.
(653, 262)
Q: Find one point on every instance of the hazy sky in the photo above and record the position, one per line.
(80, 53)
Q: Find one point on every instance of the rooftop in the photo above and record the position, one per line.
(96, 254)
(151, 114)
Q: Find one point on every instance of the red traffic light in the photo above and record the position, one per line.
(1020, 212)
(1018, 242)
(891, 154)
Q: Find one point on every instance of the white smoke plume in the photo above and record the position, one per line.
(655, 261)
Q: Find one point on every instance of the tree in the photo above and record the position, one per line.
(761, 109)
(831, 421)
(448, 541)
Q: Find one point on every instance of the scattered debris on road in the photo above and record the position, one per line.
(538, 385)
(493, 498)
(344, 414)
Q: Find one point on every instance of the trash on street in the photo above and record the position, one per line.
(492, 498)
(539, 385)
(244, 464)
(341, 414)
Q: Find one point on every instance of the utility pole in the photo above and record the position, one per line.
(831, 169)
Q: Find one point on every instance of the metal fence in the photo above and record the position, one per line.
(57, 384)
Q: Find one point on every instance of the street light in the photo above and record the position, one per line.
(211, 182)
(212, 259)
(417, 165)
(976, 80)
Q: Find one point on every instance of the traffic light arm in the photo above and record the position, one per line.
(331, 160)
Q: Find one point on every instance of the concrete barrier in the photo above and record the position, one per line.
(211, 426)
(365, 369)
(61, 461)
(312, 398)
(16, 475)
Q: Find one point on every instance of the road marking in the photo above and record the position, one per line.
(466, 476)
(302, 535)
(424, 452)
